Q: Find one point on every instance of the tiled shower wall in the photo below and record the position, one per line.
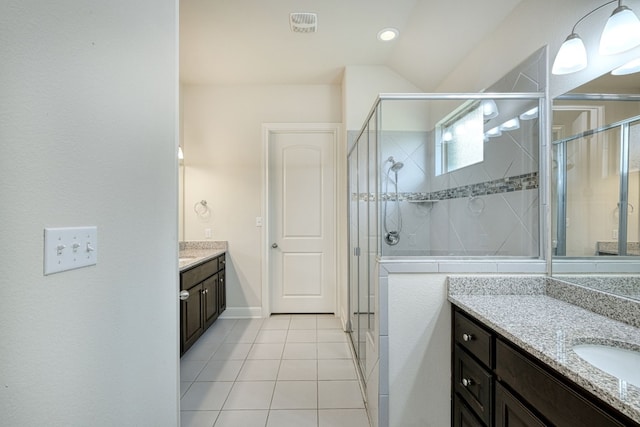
(490, 208)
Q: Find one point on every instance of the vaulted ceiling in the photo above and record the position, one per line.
(228, 42)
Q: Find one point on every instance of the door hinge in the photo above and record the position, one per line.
(356, 251)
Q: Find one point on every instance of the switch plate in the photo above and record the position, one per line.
(258, 221)
(207, 233)
(69, 248)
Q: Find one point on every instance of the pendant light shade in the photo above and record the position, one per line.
(621, 32)
(489, 109)
(630, 67)
(571, 57)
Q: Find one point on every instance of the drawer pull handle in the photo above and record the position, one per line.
(467, 337)
(467, 382)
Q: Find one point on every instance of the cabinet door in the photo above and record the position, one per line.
(462, 415)
(222, 292)
(510, 412)
(191, 317)
(210, 310)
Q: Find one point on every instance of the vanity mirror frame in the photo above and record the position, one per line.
(599, 267)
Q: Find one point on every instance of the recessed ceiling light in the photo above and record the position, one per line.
(387, 34)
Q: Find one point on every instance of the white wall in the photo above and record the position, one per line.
(361, 86)
(530, 26)
(88, 132)
(224, 165)
(419, 351)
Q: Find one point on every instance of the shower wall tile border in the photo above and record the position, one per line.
(528, 181)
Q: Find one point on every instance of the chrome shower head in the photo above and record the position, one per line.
(395, 166)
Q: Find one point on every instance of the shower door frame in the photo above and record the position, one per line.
(623, 197)
(545, 241)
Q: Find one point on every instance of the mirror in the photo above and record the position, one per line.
(595, 188)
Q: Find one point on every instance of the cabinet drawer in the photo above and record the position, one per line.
(198, 273)
(474, 384)
(560, 404)
(475, 339)
(462, 415)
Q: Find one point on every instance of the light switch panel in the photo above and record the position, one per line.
(69, 248)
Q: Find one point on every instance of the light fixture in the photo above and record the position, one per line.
(492, 133)
(512, 124)
(621, 32)
(630, 67)
(447, 136)
(387, 34)
(529, 115)
(571, 57)
(489, 109)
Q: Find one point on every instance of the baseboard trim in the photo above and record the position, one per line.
(241, 313)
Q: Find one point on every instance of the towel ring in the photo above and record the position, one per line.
(202, 209)
(475, 205)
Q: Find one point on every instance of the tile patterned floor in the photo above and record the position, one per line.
(285, 371)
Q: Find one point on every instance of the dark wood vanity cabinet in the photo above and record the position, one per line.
(495, 383)
(205, 283)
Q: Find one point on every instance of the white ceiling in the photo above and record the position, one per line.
(249, 41)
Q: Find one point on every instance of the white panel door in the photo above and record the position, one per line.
(302, 221)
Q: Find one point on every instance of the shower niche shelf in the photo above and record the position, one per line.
(423, 201)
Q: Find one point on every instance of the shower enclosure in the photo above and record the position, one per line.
(596, 178)
(440, 175)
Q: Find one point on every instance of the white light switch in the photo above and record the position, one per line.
(69, 248)
(258, 221)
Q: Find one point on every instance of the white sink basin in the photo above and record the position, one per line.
(619, 362)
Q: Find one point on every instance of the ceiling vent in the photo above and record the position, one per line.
(303, 22)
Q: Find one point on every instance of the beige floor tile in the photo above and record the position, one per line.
(266, 351)
(292, 418)
(271, 336)
(242, 419)
(205, 396)
(303, 323)
(339, 395)
(295, 395)
(197, 418)
(333, 350)
(220, 370)
(294, 350)
(298, 370)
(336, 369)
(259, 370)
(302, 335)
(343, 418)
(250, 395)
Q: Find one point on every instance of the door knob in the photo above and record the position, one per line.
(275, 245)
(184, 295)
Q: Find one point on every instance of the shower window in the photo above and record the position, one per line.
(460, 140)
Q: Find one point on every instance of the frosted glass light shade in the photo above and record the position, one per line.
(571, 57)
(489, 109)
(621, 32)
(529, 115)
(492, 133)
(630, 67)
(512, 124)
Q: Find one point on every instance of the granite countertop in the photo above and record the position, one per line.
(547, 328)
(611, 248)
(193, 253)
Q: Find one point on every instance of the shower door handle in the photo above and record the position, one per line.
(275, 245)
